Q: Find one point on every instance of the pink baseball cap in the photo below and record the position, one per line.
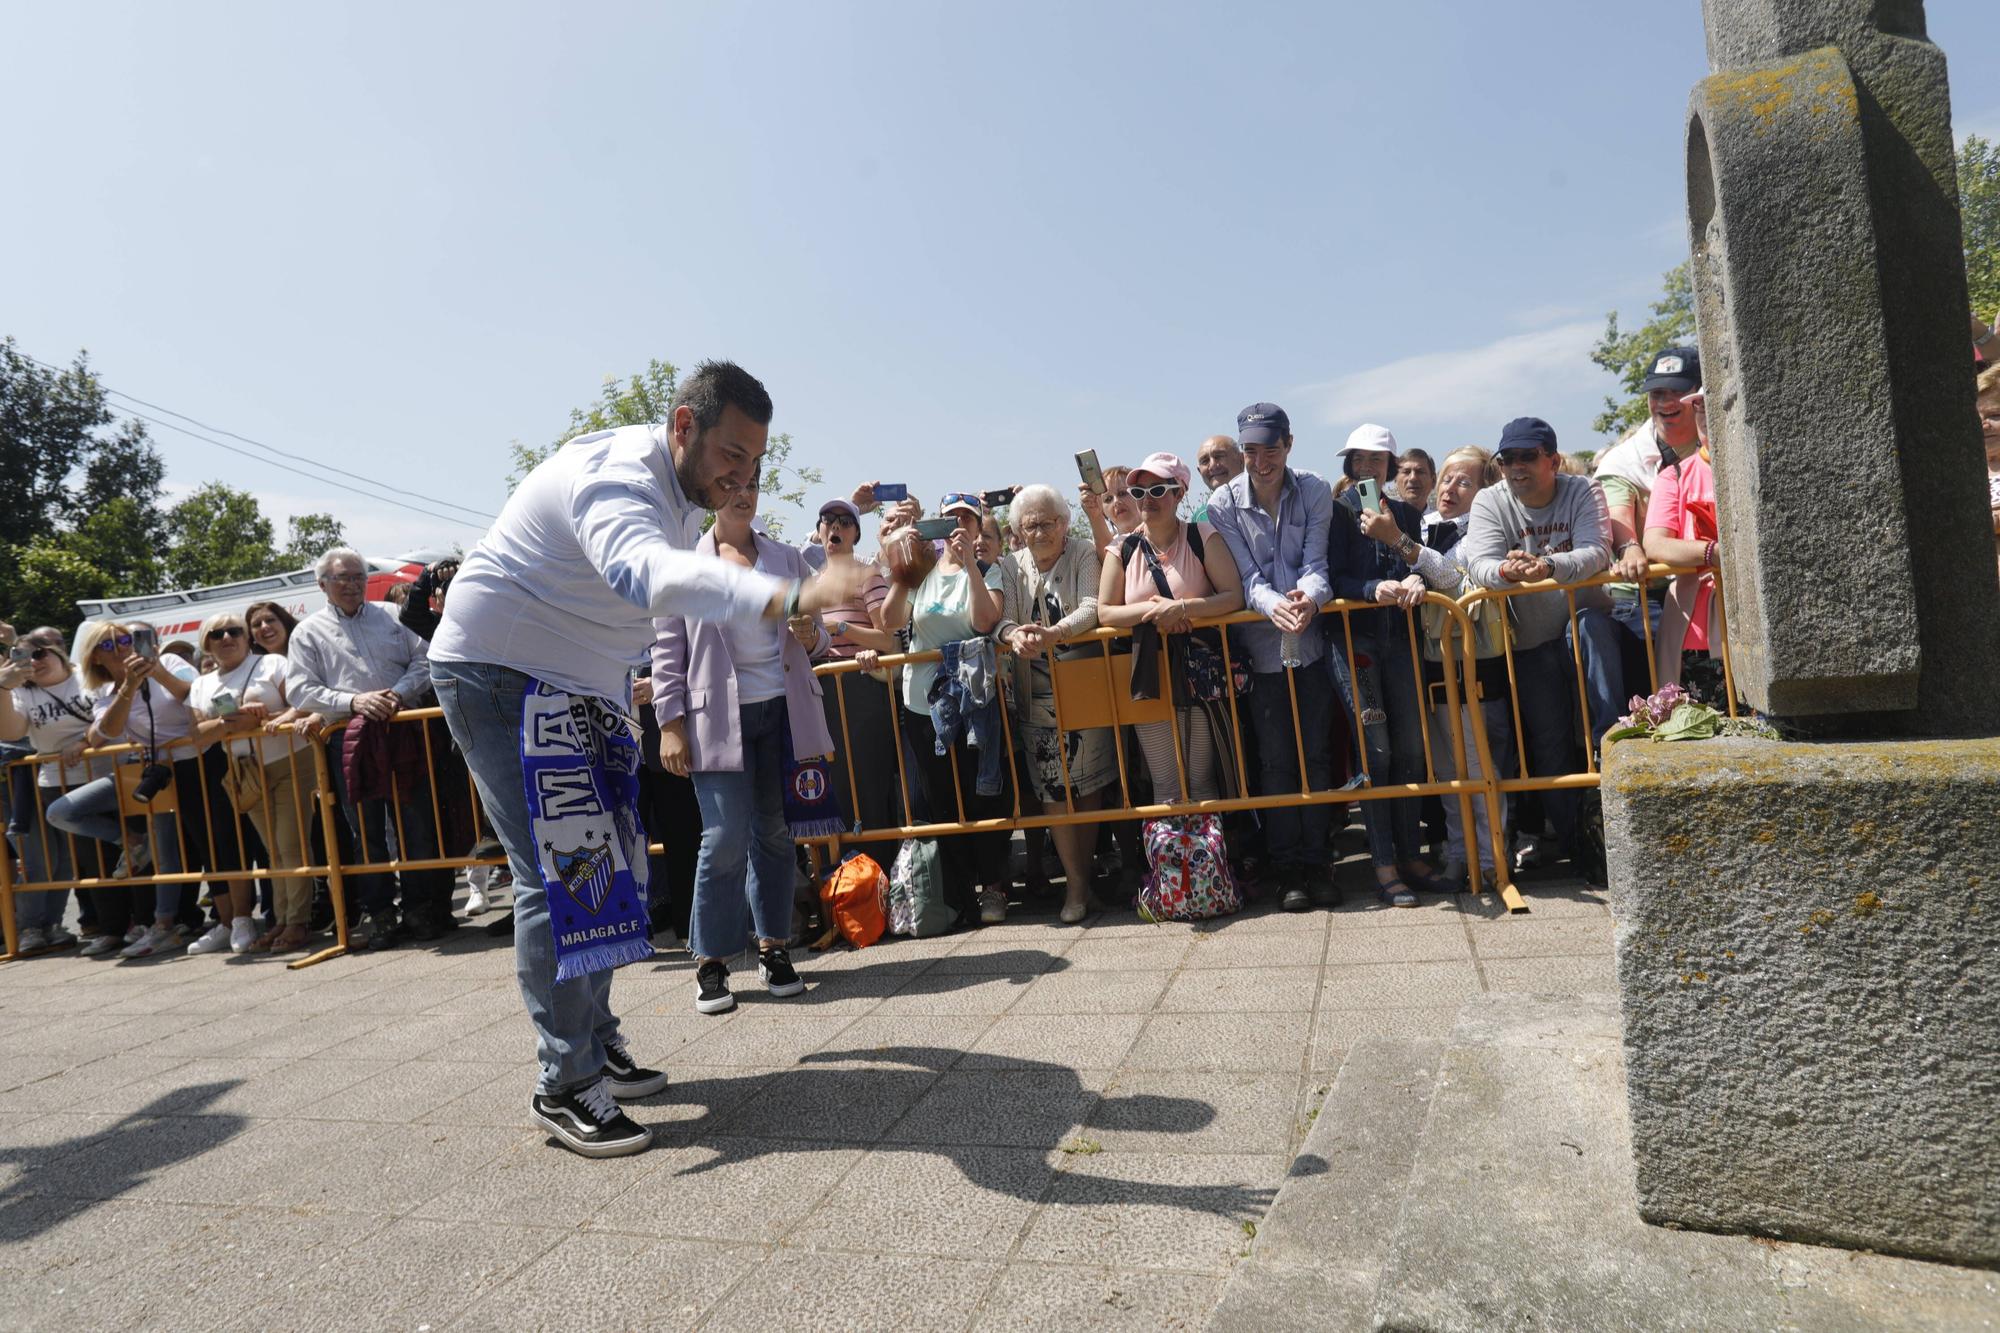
(1164, 466)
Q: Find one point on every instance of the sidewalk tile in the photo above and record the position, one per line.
(1154, 1210)
(1093, 991)
(1392, 985)
(609, 1282)
(1260, 949)
(1220, 990)
(1553, 975)
(1186, 1112)
(1040, 1041)
(534, 1183)
(1407, 944)
(1022, 1108)
(1521, 938)
(958, 1203)
(1047, 1298)
(722, 1189)
(1221, 1042)
(802, 1290)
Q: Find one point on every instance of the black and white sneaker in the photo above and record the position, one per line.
(712, 995)
(588, 1122)
(626, 1077)
(781, 979)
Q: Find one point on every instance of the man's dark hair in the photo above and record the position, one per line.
(715, 385)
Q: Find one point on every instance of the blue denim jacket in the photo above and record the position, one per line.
(965, 697)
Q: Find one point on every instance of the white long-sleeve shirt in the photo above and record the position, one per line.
(332, 656)
(596, 542)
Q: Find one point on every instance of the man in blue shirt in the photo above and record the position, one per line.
(1275, 521)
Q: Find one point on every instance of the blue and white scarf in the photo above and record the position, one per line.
(580, 764)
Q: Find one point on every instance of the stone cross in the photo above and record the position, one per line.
(1856, 549)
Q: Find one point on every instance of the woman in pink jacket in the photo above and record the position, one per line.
(734, 704)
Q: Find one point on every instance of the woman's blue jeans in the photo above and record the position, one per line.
(743, 880)
(45, 855)
(1384, 684)
(572, 1019)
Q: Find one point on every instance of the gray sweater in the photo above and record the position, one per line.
(1573, 533)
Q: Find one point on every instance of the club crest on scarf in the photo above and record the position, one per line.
(580, 766)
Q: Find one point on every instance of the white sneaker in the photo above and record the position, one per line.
(59, 938)
(242, 934)
(151, 940)
(97, 946)
(31, 939)
(133, 933)
(992, 906)
(214, 941)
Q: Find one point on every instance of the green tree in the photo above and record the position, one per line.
(64, 456)
(120, 539)
(644, 399)
(217, 535)
(1627, 355)
(1979, 213)
(308, 537)
(50, 578)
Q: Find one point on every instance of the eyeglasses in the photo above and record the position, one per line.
(1517, 457)
(347, 580)
(224, 632)
(1035, 527)
(1154, 491)
(113, 642)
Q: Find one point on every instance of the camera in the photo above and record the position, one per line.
(153, 780)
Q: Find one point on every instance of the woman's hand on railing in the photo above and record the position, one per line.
(868, 660)
(1408, 592)
(1168, 615)
(1029, 640)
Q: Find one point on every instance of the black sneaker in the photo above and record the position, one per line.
(1292, 895)
(774, 965)
(589, 1122)
(626, 1077)
(1321, 885)
(712, 995)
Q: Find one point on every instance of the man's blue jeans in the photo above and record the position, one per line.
(1294, 835)
(1625, 611)
(573, 1021)
(1384, 686)
(746, 846)
(1603, 669)
(1545, 683)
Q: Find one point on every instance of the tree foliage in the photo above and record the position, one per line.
(1627, 355)
(218, 534)
(643, 400)
(1979, 214)
(308, 537)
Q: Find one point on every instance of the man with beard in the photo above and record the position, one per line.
(532, 667)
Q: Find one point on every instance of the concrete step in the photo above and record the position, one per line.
(1320, 1250)
(1520, 1209)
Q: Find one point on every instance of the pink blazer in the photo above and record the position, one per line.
(695, 678)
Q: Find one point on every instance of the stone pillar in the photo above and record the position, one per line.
(1830, 296)
(1808, 938)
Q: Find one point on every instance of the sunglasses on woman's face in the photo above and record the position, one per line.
(40, 653)
(113, 642)
(1152, 492)
(226, 632)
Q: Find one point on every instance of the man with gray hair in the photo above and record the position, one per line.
(354, 659)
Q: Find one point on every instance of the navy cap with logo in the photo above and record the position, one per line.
(1527, 433)
(1675, 368)
(1262, 423)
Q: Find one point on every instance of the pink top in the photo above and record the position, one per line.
(1684, 504)
(858, 611)
(1186, 575)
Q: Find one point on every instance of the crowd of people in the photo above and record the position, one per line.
(1013, 588)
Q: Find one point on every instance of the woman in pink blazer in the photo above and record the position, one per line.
(732, 703)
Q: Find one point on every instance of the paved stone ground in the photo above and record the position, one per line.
(1028, 1126)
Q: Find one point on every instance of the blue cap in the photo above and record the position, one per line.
(1527, 433)
(1262, 423)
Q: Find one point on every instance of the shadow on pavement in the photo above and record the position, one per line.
(1023, 1101)
(114, 1160)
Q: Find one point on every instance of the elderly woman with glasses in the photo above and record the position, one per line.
(1048, 597)
(240, 700)
(1168, 574)
(42, 702)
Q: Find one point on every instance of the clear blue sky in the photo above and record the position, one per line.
(957, 242)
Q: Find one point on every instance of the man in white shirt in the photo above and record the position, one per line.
(354, 658)
(560, 595)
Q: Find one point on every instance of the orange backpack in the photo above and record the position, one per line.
(853, 896)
